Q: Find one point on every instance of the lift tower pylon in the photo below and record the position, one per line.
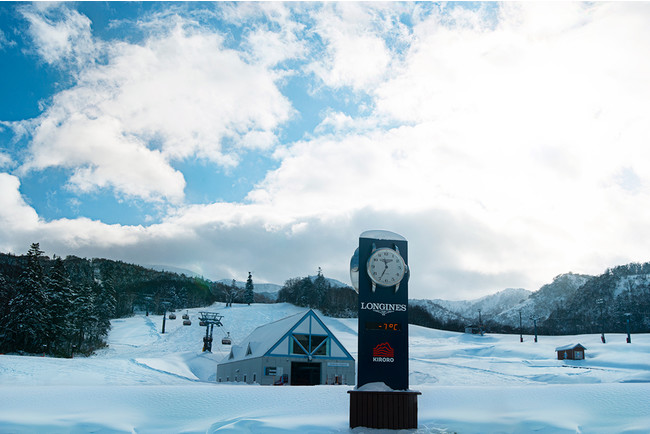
(209, 319)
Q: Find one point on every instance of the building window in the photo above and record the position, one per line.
(244, 378)
(270, 370)
(310, 344)
(300, 344)
(254, 378)
(319, 350)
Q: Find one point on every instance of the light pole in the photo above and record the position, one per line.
(521, 333)
(480, 323)
(601, 303)
(147, 301)
(165, 305)
(627, 327)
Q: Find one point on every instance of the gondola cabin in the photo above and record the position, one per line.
(172, 316)
(187, 322)
(186, 315)
(571, 352)
(226, 340)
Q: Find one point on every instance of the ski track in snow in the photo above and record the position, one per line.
(149, 382)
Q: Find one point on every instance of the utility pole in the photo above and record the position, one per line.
(627, 327)
(601, 303)
(535, 325)
(521, 333)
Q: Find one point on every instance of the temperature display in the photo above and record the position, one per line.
(390, 326)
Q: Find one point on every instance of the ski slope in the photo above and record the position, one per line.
(148, 382)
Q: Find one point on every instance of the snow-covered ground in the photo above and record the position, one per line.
(146, 381)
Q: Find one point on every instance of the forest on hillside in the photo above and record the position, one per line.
(318, 293)
(63, 306)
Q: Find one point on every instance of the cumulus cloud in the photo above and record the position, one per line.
(179, 94)
(356, 53)
(274, 36)
(14, 211)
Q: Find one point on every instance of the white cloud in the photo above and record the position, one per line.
(178, 95)
(356, 54)
(5, 160)
(4, 41)
(102, 155)
(60, 34)
(14, 211)
(275, 36)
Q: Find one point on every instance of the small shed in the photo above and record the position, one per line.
(296, 350)
(571, 352)
(474, 329)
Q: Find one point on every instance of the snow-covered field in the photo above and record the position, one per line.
(149, 382)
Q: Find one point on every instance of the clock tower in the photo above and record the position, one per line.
(379, 272)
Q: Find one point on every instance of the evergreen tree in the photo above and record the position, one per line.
(249, 295)
(231, 292)
(29, 319)
(105, 304)
(321, 288)
(290, 292)
(61, 299)
(7, 294)
(84, 318)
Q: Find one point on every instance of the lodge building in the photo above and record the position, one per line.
(296, 350)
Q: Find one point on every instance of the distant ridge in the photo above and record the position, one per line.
(172, 269)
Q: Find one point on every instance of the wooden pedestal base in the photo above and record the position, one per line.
(391, 410)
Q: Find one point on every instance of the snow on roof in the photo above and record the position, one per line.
(264, 337)
(382, 235)
(570, 347)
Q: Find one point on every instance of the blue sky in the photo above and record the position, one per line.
(506, 142)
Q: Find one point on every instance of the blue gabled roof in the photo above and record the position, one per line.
(266, 339)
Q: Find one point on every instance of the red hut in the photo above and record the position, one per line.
(571, 352)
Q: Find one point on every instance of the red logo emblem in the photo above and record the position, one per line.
(383, 350)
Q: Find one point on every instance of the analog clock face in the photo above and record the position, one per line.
(386, 267)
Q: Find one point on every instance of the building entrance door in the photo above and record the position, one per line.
(305, 374)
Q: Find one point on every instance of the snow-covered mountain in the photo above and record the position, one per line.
(490, 305)
(172, 269)
(504, 307)
(540, 304)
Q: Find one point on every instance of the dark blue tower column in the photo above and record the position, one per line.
(381, 398)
